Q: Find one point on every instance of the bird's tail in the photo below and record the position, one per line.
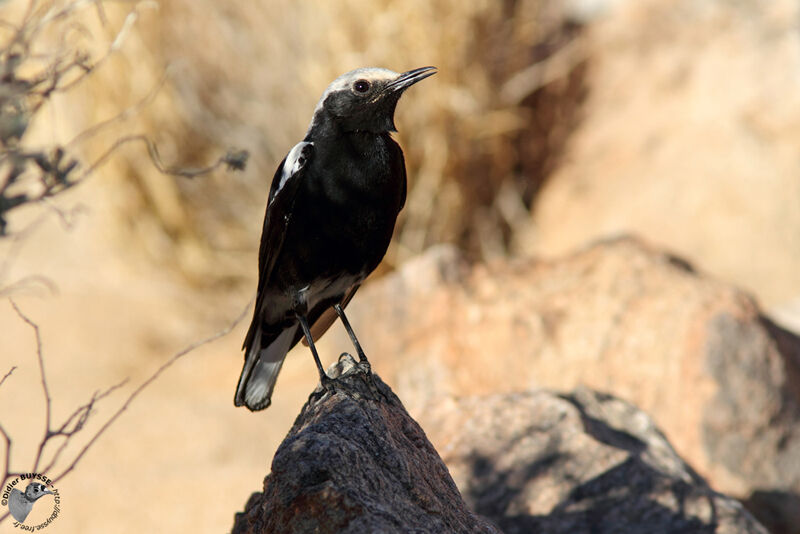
(261, 367)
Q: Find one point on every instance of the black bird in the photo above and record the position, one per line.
(330, 215)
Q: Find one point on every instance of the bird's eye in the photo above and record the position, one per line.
(361, 86)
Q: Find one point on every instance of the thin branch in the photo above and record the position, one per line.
(115, 45)
(101, 12)
(166, 365)
(55, 176)
(7, 466)
(122, 115)
(25, 20)
(233, 159)
(49, 173)
(45, 389)
(17, 240)
(7, 375)
(28, 282)
(81, 416)
(81, 412)
(66, 217)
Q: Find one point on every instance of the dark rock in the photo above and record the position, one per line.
(579, 463)
(695, 353)
(751, 424)
(585, 462)
(779, 511)
(354, 461)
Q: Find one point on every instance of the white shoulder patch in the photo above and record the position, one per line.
(296, 160)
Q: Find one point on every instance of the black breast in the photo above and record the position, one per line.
(346, 208)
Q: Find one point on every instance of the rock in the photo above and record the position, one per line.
(582, 462)
(620, 316)
(688, 138)
(354, 461)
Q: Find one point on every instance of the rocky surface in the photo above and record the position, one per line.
(688, 138)
(581, 462)
(695, 353)
(687, 134)
(355, 461)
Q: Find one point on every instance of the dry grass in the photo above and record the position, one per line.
(479, 137)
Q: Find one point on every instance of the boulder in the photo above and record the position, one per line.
(688, 137)
(694, 352)
(355, 461)
(580, 462)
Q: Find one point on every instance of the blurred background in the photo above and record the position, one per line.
(550, 124)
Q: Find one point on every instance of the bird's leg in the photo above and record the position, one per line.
(362, 358)
(324, 379)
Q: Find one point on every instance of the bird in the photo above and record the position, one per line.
(331, 211)
(20, 503)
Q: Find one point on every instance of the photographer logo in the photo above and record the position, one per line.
(27, 491)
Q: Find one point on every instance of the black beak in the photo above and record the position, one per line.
(407, 79)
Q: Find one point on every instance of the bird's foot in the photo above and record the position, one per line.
(347, 364)
(327, 383)
(364, 366)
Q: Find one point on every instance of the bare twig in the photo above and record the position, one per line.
(68, 217)
(77, 420)
(166, 365)
(56, 171)
(27, 86)
(233, 159)
(122, 115)
(7, 375)
(28, 282)
(45, 389)
(116, 44)
(17, 241)
(7, 462)
(29, 78)
(81, 416)
(101, 12)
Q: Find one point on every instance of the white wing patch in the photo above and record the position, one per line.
(296, 160)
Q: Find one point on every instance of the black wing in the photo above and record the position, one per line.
(399, 169)
(280, 204)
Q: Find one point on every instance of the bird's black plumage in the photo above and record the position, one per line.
(331, 211)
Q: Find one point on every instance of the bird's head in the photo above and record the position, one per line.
(364, 99)
(36, 490)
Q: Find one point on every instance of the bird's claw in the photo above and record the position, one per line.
(327, 383)
(364, 367)
(362, 364)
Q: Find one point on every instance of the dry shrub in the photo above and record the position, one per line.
(44, 52)
(479, 137)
